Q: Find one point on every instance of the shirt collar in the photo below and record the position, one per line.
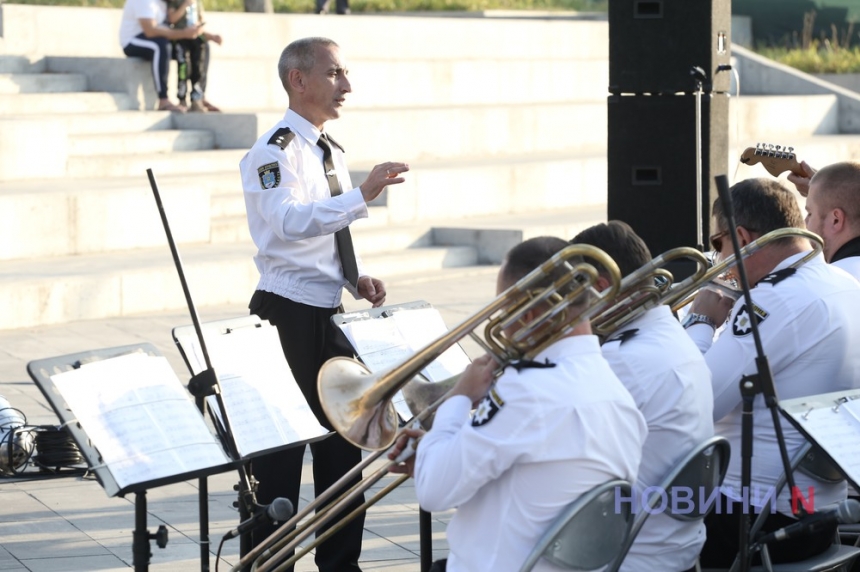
(302, 126)
(569, 345)
(847, 250)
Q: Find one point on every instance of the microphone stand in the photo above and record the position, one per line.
(750, 386)
(200, 386)
(699, 77)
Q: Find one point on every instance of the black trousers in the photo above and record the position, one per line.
(722, 544)
(309, 340)
(189, 61)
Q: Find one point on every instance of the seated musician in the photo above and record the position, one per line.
(546, 432)
(671, 384)
(807, 318)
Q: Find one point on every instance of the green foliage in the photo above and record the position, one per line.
(369, 6)
(817, 58)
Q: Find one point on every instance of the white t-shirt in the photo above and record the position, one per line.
(670, 382)
(541, 439)
(136, 10)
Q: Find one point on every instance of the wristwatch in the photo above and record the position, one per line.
(698, 319)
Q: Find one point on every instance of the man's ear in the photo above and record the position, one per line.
(602, 283)
(744, 236)
(836, 219)
(296, 80)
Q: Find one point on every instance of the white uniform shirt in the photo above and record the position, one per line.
(547, 436)
(851, 265)
(136, 10)
(811, 335)
(670, 382)
(293, 217)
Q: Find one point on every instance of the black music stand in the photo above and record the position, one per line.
(218, 335)
(343, 321)
(42, 372)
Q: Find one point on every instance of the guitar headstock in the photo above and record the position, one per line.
(774, 158)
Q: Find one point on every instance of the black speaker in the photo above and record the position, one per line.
(652, 163)
(654, 45)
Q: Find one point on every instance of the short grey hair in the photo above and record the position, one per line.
(300, 55)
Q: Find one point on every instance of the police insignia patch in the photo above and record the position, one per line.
(487, 408)
(775, 278)
(742, 324)
(270, 176)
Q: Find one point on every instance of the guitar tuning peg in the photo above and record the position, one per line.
(791, 149)
(770, 146)
(757, 145)
(779, 147)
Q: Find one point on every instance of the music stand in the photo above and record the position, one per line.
(233, 344)
(48, 372)
(379, 354)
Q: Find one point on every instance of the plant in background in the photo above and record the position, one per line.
(818, 55)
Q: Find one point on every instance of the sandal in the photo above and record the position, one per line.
(210, 107)
(170, 107)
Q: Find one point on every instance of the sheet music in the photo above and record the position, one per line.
(387, 341)
(833, 422)
(139, 417)
(265, 405)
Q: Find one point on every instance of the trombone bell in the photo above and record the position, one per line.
(344, 386)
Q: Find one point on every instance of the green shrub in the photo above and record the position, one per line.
(817, 59)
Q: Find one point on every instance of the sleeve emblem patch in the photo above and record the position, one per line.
(742, 324)
(270, 176)
(487, 408)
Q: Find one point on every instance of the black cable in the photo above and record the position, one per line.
(218, 553)
(56, 449)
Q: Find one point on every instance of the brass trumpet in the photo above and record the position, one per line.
(358, 403)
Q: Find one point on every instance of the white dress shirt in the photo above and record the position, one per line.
(293, 222)
(546, 437)
(811, 335)
(670, 382)
(135, 10)
(851, 265)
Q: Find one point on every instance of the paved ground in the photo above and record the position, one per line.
(70, 524)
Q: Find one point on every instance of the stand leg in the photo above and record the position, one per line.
(425, 535)
(203, 502)
(140, 548)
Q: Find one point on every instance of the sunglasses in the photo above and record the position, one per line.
(716, 241)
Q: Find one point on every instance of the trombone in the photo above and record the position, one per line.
(358, 403)
(685, 293)
(652, 285)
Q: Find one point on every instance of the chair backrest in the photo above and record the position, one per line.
(589, 532)
(700, 472)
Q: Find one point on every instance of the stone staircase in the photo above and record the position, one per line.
(506, 140)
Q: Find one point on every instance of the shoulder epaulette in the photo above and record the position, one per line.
(775, 278)
(622, 336)
(335, 143)
(282, 137)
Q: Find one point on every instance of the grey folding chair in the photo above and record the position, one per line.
(839, 556)
(589, 532)
(701, 470)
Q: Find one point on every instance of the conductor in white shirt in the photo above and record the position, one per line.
(300, 202)
(545, 433)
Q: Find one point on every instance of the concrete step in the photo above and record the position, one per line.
(775, 118)
(39, 103)
(22, 64)
(56, 290)
(42, 83)
(187, 162)
(163, 141)
(112, 121)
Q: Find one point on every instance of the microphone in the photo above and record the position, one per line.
(279, 510)
(845, 512)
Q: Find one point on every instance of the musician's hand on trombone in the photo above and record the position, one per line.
(713, 304)
(802, 183)
(372, 290)
(475, 381)
(405, 466)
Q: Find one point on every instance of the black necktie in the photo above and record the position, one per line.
(345, 250)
